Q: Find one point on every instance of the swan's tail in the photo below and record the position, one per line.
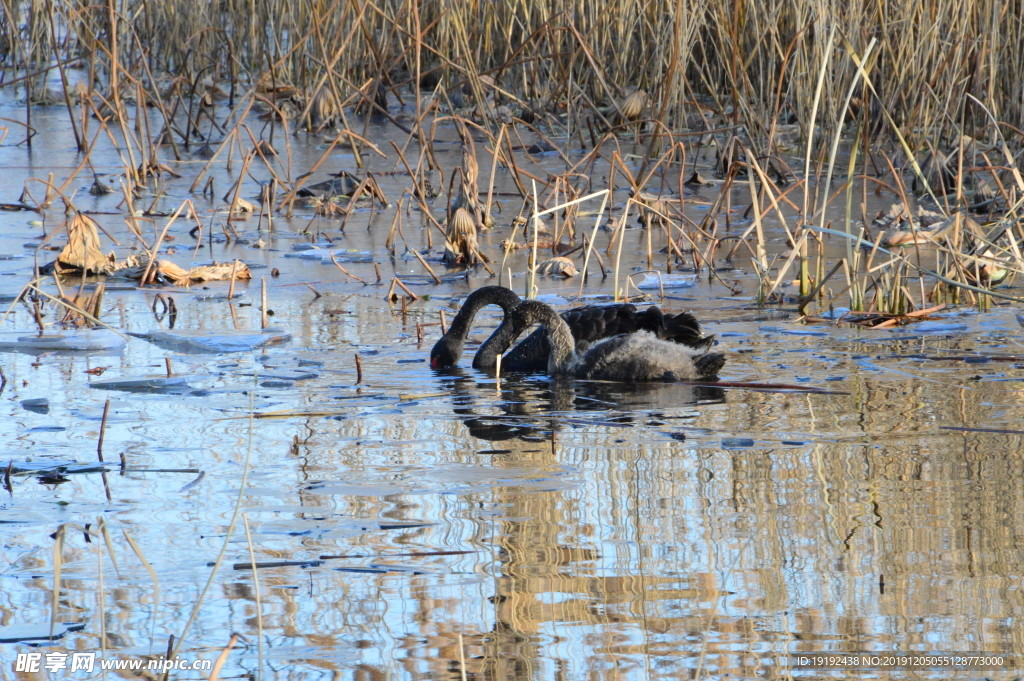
(709, 365)
(679, 328)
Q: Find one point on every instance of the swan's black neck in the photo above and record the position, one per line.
(563, 351)
(497, 343)
(447, 351)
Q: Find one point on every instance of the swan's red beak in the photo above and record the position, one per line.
(435, 362)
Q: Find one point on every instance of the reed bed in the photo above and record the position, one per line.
(920, 99)
(756, 61)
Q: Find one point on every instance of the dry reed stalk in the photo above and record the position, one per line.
(426, 266)
(103, 431)
(346, 272)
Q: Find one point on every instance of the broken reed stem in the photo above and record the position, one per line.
(346, 272)
(263, 302)
(621, 231)
(231, 287)
(426, 266)
(167, 364)
(359, 368)
(223, 657)
(462, 658)
(444, 324)
(103, 430)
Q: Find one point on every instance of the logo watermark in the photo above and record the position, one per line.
(54, 662)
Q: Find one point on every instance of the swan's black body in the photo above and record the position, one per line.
(630, 357)
(587, 325)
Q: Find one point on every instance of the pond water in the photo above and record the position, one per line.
(427, 525)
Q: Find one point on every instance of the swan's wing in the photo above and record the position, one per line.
(594, 322)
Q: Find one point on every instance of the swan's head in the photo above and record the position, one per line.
(445, 353)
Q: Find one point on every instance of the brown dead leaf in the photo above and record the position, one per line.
(96, 371)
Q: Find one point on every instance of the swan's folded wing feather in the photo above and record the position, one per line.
(641, 356)
(594, 322)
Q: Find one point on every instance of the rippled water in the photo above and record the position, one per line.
(423, 525)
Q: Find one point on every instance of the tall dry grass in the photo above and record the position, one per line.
(755, 60)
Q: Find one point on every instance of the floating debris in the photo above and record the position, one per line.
(165, 385)
(656, 280)
(881, 320)
(14, 633)
(325, 256)
(84, 340)
(204, 342)
(39, 405)
(737, 443)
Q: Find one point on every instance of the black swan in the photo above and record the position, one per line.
(588, 325)
(630, 357)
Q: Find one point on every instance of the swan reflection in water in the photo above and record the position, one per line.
(533, 407)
